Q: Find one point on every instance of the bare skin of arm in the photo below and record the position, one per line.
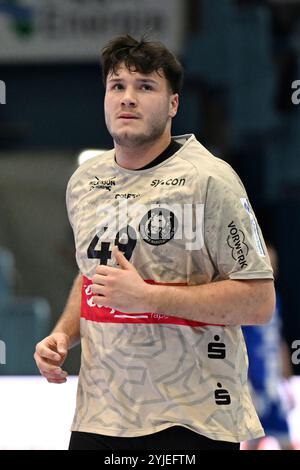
(226, 302)
(52, 351)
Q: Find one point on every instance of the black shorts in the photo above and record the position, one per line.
(174, 438)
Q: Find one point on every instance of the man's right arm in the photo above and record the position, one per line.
(52, 351)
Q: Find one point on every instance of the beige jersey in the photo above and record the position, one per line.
(186, 221)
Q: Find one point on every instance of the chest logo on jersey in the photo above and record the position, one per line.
(236, 241)
(158, 226)
(169, 182)
(102, 184)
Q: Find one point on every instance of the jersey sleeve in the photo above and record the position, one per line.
(232, 235)
(69, 205)
(73, 194)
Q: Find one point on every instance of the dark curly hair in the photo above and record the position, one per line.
(142, 56)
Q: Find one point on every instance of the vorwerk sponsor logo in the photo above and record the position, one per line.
(169, 182)
(102, 184)
(236, 241)
(2, 92)
(2, 353)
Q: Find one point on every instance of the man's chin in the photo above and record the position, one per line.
(130, 139)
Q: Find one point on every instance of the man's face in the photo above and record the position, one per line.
(138, 107)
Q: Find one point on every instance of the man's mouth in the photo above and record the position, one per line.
(127, 116)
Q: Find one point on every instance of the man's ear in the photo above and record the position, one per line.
(174, 102)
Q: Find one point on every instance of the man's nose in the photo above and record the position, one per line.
(129, 98)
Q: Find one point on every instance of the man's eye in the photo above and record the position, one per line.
(147, 87)
(117, 86)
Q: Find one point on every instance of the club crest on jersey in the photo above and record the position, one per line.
(158, 226)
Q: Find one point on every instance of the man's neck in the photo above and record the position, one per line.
(134, 158)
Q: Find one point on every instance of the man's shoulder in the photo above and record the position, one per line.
(95, 162)
(203, 160)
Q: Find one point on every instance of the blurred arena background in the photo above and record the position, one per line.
(240, 99)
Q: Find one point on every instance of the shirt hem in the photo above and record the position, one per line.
(144, 432)
(252, 275)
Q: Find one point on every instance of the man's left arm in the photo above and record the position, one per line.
(228, 302)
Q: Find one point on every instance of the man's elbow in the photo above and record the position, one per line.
(267, 304)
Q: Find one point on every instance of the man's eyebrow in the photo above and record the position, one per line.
(114, 80)
(142, 80)
(151, 80)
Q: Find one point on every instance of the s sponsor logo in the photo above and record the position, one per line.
(236, 241)
(222, 396)
(215, 349)
(158, 226)
(168, 182)
(102, 184)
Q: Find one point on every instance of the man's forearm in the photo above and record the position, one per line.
(225, 302)
(69, 322)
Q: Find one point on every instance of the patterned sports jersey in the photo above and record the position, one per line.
(186, 221)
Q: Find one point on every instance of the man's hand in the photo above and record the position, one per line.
(49, 356)
(121, 289)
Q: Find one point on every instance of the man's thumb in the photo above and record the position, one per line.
(120, 258)
(62, 348)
